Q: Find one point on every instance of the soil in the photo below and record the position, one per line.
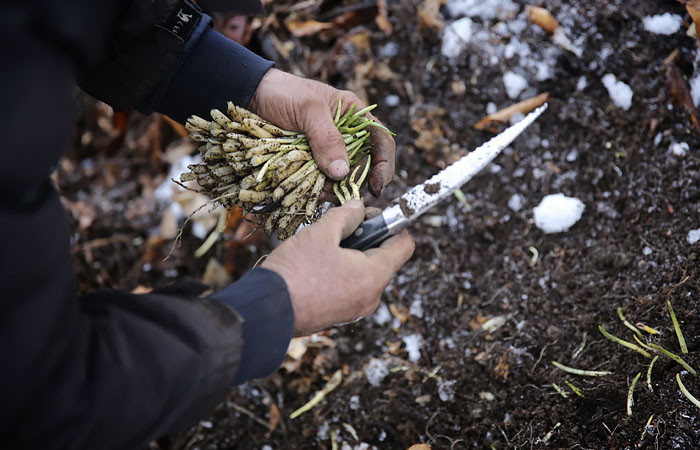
(490, 299)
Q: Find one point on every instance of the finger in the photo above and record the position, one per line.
(393, 253)
(327, 144)
(339, 222)
(372, 211)
(383, 159)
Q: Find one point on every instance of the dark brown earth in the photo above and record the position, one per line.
(492, 299)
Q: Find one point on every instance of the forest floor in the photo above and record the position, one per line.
(459, 354)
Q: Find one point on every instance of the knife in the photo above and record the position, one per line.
(419, 199)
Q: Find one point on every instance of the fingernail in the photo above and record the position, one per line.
(354, 204)
(338, 168)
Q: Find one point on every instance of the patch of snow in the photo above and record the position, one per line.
(658, 138)
(620, 92)
(322, 433)
(646, 251)
(413, 346)
(515, 202)
(695, 89)
(389, 50)
(446, 390)
(354, 402)
(455, 36)
(557, 213)
(515, 84)
(582, 83)
(666, 23)
(376, 371)
(491, 108)
(382, 315)
(392, 100)
(164, 192)
(679, 149)
(485, 9)
(693, 236)
(416, 309)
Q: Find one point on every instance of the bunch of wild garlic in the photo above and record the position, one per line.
(250, 163)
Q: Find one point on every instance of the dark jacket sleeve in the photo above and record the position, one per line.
(110, 369)
(160, 62)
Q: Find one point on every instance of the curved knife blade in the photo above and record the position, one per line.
(422, 197)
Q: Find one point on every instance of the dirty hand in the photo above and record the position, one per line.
(309, 106)
(328, 284)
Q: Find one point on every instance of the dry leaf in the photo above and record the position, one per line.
(168, 225)
(429, 17)
(400, 312)
(304, 28)
(680, 92)
(382, 20)
(505, 114)
(275, 417)
(502, 367)
(140, 289)
(693, 7)
(215, 275)
(542, 18)
(419, 447)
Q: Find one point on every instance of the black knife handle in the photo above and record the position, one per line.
(370, 233)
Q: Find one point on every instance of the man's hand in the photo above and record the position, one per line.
(328, 284)
(309, 106)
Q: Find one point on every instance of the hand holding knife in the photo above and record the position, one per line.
(420, 198)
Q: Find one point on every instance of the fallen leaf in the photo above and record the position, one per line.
(429, 17)
(400, 312)
(693, 7)
(168, 225)
(505, 114)
(275, 417)
(382, 19)
(680, 92)
(419, 447)
(494, 323)
(215, 275)
(141, 290)
(502, 367)
(542, 18)
(303, 28)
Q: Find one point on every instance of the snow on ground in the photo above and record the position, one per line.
(693, 236)
(679, 149)
(413, 346)
(695, 89)
(557, 213)
(515, 84)
(485, 9)
(620, 93)
(516, 202)
(499, 34)
(666, 23)
(376, 371)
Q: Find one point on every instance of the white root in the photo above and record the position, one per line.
(299, 191)
(246, 195)
(315, 194)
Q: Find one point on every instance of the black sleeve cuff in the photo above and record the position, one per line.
(262, 299)
(216, 70)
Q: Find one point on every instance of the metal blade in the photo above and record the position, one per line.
(422, 197)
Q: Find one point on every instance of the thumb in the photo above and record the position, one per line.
(339, 222)
(327, 144)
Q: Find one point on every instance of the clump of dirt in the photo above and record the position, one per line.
(431, 188)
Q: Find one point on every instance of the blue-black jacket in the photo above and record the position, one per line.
(112, 369)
